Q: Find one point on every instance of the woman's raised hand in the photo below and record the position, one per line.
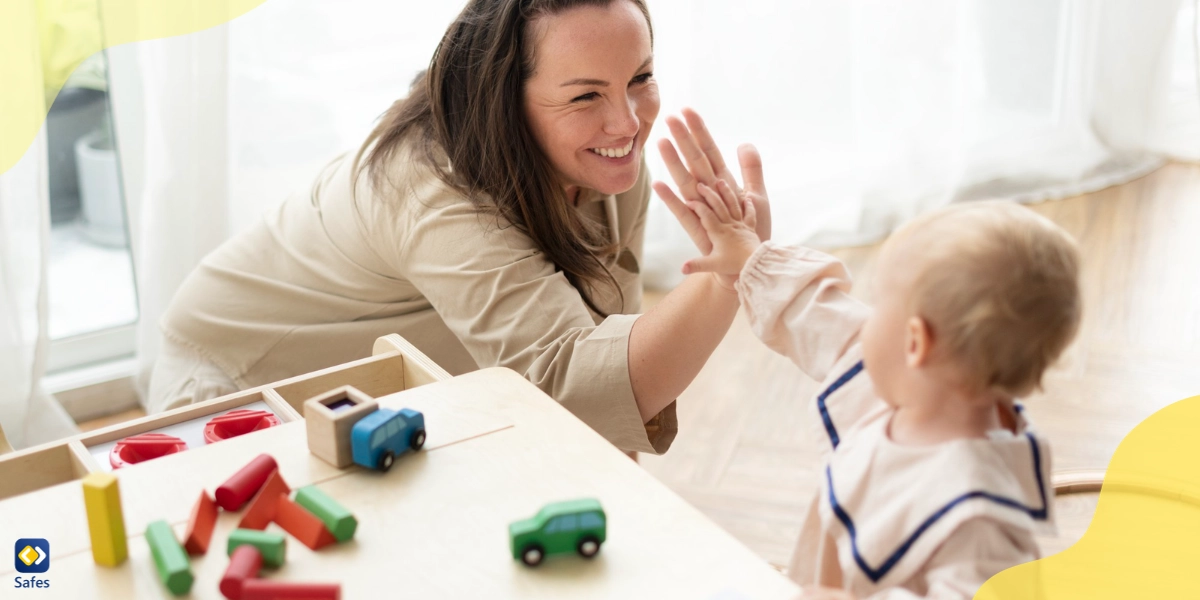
(704, 164)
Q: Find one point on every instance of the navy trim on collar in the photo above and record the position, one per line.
(875, 575)
(847, 376)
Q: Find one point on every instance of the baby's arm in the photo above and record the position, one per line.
(799, 304)
(797, 299)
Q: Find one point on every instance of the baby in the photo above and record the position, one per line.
(934, 481)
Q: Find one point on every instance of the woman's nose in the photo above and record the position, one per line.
(622, 119)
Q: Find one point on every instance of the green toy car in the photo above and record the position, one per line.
(561, 527)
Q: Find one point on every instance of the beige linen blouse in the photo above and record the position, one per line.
(890, 521)
(324, 274)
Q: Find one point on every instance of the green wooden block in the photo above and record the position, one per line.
(272, 545)
(172, 562)
(336, 518)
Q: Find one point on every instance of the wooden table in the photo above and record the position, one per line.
(435, 526)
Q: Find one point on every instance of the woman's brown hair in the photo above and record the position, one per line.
(469, 105)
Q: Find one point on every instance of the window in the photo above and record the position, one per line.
(90, 284)
(566, 523)
(378, 437)
(590, 520)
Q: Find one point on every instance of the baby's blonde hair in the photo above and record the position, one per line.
(998, 285)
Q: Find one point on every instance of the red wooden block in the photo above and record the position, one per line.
(234, 493)
(244, 565)
(262, 508)
(200, 525)
(268, 589)
(302, 525)
(326, 538)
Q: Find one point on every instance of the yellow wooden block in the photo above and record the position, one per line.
(106, 524)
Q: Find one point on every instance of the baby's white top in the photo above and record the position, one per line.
(890, 521)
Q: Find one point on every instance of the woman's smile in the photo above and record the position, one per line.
(618, 155)
(615, 151)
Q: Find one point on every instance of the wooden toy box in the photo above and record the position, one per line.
(394, 366)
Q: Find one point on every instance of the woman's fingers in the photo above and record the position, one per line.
(756, 190)
(752, 172)
(706, 144)
(715, 202)
(683, 178)
(696, 161)
(686, 217)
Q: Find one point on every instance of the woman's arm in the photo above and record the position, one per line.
(669, 344)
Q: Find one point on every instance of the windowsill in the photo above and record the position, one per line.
(95, 391)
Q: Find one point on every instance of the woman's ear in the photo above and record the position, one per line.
(918, 342)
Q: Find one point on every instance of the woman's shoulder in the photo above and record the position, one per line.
(413, 171)
(411, 187)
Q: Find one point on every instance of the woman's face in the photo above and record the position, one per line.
(592, 97)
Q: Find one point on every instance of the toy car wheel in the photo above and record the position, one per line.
(385, 460)
(418, 439)
(588, 546)
(533, 555)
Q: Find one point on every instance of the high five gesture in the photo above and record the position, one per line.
(703, 165)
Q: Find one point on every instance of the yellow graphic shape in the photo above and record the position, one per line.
(1144, 540)
(42, 41)
(28, 555)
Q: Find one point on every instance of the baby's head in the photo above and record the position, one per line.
(980, 296)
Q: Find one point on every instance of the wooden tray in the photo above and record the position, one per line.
(395, 366)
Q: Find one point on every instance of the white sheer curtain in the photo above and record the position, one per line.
(28, 416)
(179, 210)
(866, 111)
(869, 111)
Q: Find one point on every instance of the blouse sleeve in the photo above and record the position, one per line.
(511, 307)
(798, 303)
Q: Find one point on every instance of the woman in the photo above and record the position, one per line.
(495, 217)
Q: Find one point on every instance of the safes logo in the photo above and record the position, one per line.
(33, 555)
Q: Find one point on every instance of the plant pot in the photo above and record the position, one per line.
(100, 190)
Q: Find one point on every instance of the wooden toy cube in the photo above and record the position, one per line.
(329, 418)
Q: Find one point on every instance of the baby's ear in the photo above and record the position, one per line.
(918, 342)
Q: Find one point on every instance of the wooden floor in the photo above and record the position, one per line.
(742, 455)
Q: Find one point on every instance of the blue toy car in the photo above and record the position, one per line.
(377, 438)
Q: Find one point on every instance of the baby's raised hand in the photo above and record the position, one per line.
(702, 163)
(730, 223)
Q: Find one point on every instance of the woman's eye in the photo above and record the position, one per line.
(643, 78)
(585, 97)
